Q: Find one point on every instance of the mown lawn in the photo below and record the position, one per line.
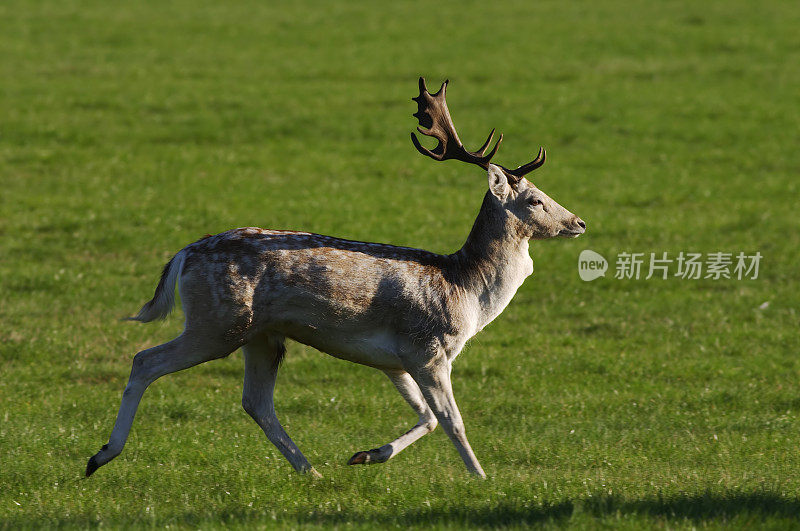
(127, 131)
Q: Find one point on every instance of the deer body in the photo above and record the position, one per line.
(368, 303)
(407, 312)
(362, 302)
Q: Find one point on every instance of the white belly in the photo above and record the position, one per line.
(374, 348)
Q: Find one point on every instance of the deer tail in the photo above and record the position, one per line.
(160, 306)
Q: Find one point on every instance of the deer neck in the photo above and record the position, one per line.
(494, 261)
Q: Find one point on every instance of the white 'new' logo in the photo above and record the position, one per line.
(591, 265)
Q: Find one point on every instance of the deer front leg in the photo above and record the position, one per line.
(434, 382)
(426, 424)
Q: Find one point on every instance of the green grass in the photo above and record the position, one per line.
(127, 131)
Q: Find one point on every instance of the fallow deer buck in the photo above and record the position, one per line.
(406, 312)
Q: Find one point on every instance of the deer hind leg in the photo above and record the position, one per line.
(434, 382)
(426, 424)
(148, 365)
(262, 356)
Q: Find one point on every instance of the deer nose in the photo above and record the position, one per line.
(579, 222)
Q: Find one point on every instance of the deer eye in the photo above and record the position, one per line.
(535, 202)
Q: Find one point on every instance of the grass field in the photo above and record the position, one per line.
(129, 131)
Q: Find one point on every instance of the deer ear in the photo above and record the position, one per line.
(498, 183)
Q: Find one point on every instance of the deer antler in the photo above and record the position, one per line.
(434, 120)
(434, 116)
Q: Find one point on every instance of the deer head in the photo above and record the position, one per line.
(538, 216)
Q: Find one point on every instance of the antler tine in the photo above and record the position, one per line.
(489, 141)
(425, 151)
(423, 87)
(525, 169)
(435, 121)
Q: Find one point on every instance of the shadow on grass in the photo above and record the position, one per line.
(717, 507)
(699, 507)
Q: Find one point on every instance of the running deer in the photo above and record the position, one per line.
(406, 312)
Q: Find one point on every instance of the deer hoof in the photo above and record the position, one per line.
(91, 466)
(360, 458)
